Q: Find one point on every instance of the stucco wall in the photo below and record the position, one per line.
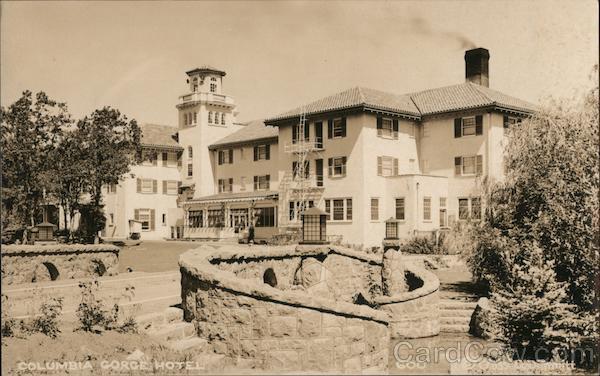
(25, 263)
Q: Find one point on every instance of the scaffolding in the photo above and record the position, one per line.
(304, 187)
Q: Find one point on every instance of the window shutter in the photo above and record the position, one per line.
(164, 184)
(230, 184)
(344, 169)
(457, 126)
(395, 171)
(294, 169)
(329, 166)
(139, 185)
(268, 181)
(379, 166)
(306, 130)
(255, 183)
(505, 121)
(268, 147)
(294, 134)
(478, 125)
(379, 125)
(479, 164)
(457, 165)
(155, 160)
(154, 186)
(395, 128)
(152, 218)
(330, 128)
(230, 155)
(256, 153)
(343, 127)
(136, 214)
(220, 157)
(307, 170)
(165, 158)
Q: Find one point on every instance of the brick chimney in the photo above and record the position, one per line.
(476, 66)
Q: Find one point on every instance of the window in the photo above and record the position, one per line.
(185, 118)
(164, 219)
(213, 87)
(145, 216)
(296, 170)
(468, 165)
(266, 217)
(226, 156)
(217, 117)
(195, 117)
(262, 152)
(243, 183)
(169, 159)
(149, 159)
(427, 208)
(223, 118)
(190, 152)
(111, 188)
(463, 208)
(387, 166)
(468, 126)
(469, 208)
(374, 209)
(225, 185)
(337, 166)
(338, 210)
(509, 121)
(190, 170)
(146, 186)
(170, 187)
(400, 211)
(387, 128)
(210, 117)
(195, 218)
(261, 183)
(295, 205)
(342, 209)
(297, 129)
(339, 128)
(216, 217)
(476, 208)
(443, 213)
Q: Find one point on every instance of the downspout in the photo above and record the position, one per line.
(417, 211)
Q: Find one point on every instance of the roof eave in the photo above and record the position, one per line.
(270, 139)
(277, 121)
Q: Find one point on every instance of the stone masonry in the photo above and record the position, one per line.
(35, 263)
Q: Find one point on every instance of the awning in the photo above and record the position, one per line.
(235, 197)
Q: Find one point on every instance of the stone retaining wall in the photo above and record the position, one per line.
(35, 263)
(298, 326)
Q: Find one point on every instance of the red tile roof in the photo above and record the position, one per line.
(445, 99)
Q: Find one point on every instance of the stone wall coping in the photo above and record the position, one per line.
(22, 250)
(197, 262)
(431, 284)
(253, 253)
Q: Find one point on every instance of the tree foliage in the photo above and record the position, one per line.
(30, 131)
(537, 248)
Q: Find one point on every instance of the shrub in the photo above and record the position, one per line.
(92, 313)
(48, 320)
(129, 325)
(425, 245)
(9, 324)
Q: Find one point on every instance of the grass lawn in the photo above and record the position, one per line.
(155, 255)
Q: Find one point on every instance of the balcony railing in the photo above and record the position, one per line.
(301, 146)
(206, 97)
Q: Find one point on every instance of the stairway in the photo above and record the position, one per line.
(455, 315)
(169, 327)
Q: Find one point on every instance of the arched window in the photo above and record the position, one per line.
(223, 118)
(210, 117)
(190, 152)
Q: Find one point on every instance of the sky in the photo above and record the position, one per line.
(279, 55)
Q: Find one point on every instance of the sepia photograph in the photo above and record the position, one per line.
(300, 187)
